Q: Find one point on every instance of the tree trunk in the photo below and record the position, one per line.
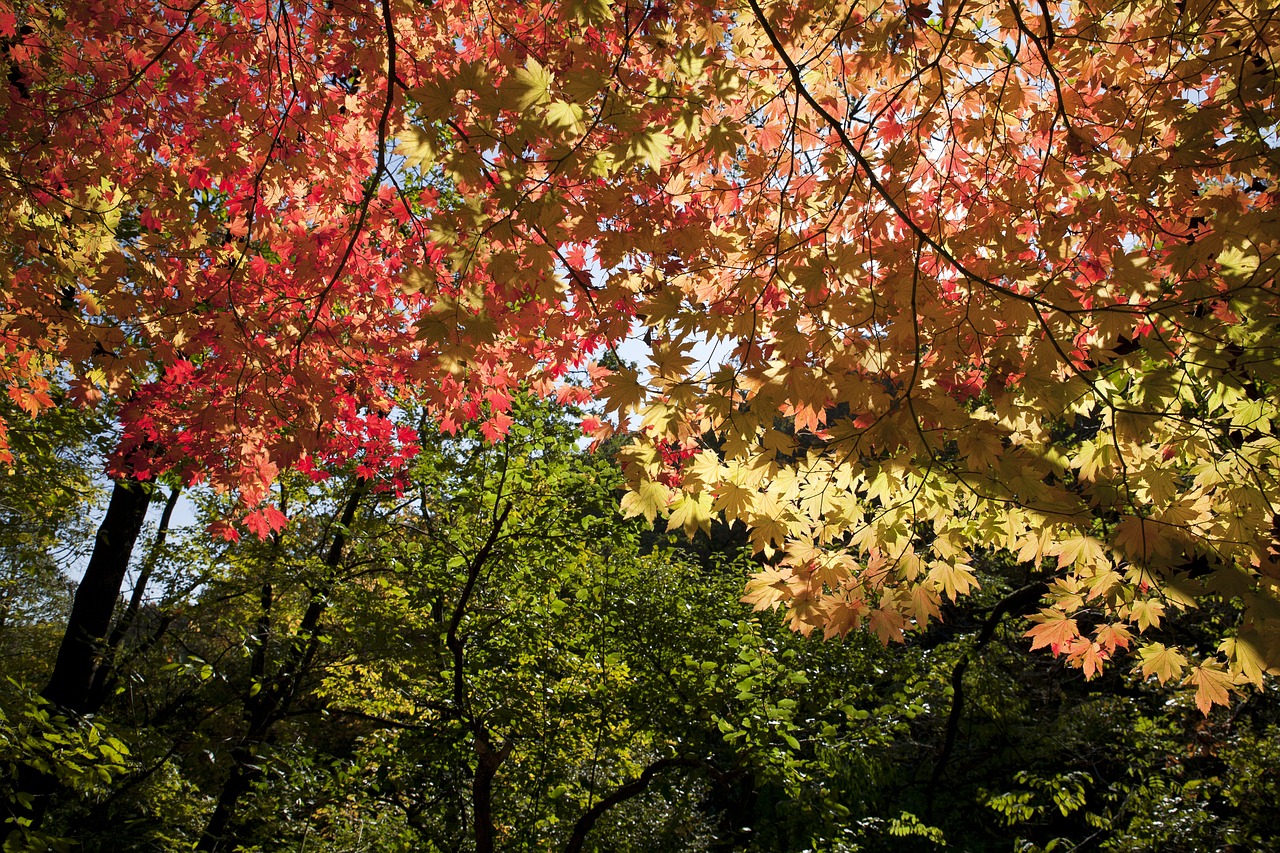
(488, 761)
(244, 772)
(107, 672)
(71, 683)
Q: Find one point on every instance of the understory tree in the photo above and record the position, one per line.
(485, 656)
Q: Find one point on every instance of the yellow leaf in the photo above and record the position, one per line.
(734, 500)
(1113, 637)
(1245, 659)
(530, 85)
(418, 146)
(562, 114)
(704, 469)
(692, 513)
(583, 85)
(434, 100)
(1213, 686)
(1147, 612)
(1081, 550)
(768, 523)
(955, 579)
(924, 604)
(588, 11)
(649, 148)
(416, 279)
(1237, 262)
(1163, 663)
(1140, 539)
(767, 589)
(647, 499)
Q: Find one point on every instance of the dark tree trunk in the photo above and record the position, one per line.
(71, 683)
(488, 761)
(107, 672)
(244, 772)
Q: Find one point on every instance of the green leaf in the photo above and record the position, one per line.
(418, 146)
(567, 116)
(649, 148)
(531, 85)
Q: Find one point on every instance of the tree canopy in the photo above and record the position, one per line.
(991, 277)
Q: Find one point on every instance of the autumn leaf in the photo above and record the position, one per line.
(1164, 663)
(1213, 686)
(1147, 612)
(767, 589)
(418, 146)
(649, 148)
(531, 85)
(1082, 550)
(955, 579)
(563, 114)
(1053, 629)
(1246, 662)
(691, 513)
(649, 499)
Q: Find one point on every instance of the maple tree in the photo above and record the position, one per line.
(992, 276)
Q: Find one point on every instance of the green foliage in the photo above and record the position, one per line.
(492, 606)
(81, 756)
(49, 492)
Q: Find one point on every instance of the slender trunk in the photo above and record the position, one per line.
(487, 763)
(104, 678)
(244, 772)
(625, 792)
(488, 760)
(71, 682)
(274, 695)
(1016, 603)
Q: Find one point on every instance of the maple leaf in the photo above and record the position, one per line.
(1112, 637)
(649, 148)
(566, 115)
(419, 147)
(955, 579)
(648, 499)
(531, 85)
(767, 589)
(1213, 686)
(1054, 629)
(589, 11)
(692, 513)
(769, 523)
(733, 499)
(265, 521)
(224, 530)
(1147, 612)
(1164, 663)
(1247, 663)
(495, 427)
(1089, 656)
(1082, 550)
(887, 624)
